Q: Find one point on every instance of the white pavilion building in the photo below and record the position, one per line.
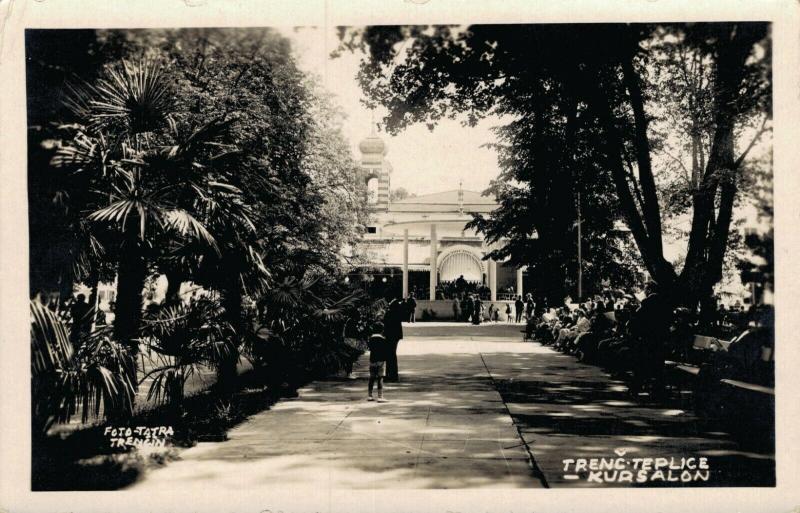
(421, 234)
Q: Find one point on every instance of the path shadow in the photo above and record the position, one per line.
(567, 409)
(445, 426)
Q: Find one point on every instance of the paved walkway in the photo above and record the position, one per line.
(473, 405)
(565, 409)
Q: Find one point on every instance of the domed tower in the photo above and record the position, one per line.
(375, 171)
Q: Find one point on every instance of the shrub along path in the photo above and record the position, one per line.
(473, 405)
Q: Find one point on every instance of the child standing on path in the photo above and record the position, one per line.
(377, 361)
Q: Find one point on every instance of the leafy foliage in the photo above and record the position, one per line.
(305, 324)
(578, 105)
(94, 378)
(145, 179)
(182, 340)
(203, 155)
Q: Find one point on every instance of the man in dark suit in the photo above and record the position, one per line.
(649, 327)
(467, 308)
(411, 308)
(477, 310)
(393, 331)
(519, 307)
(461, 285)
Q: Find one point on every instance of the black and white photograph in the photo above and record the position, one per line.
(383, 257)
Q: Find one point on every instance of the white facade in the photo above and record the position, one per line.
(425, 232)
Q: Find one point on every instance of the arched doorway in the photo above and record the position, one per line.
(460, 262)
(373, 184)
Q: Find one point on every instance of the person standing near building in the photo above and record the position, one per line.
(508, 313)
(469, 307)
(377, 361)
(461, 285)
(477, 310)
(411, 307)
(393, 331)
(530, 307)
(519, 307)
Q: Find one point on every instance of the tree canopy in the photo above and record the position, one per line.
(199, 155)
(280, 149)
(579, 105)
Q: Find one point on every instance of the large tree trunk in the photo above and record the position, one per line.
(131, 273)
(231, 301)
(713, 200)
(553, 198)
(551, 280)
(174, 282)
(649, 244)
(94, 283)
(711, 220)
(649, 197)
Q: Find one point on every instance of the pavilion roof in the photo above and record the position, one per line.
(447, 201)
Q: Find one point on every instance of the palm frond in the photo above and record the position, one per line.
(95, 378)
(187, 225)
(286, 293)
(50, 345)
(81, 151)
(187, 337)
(205, 133)
(132, 97)
(225, 187)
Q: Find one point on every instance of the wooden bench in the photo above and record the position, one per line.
(713, 343)
(683, 374)
(693, 370)
(750, 387)
(751, 407)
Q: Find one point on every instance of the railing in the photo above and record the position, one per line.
(506, 296)
(485, 295)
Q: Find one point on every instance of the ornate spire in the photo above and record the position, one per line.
(373, 149)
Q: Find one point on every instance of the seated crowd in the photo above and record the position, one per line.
(635, 338)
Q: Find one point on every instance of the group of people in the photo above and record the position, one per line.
(631, 337)
(76, 313)
(615, 330)
(452, 290)
(470, 308)
(461, 287)
(383, 341)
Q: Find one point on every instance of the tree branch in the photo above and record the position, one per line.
(652, 254)
(677, 160)
(651, 213)
(738, 161)
(637, 191)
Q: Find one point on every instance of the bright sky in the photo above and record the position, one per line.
(424, 161)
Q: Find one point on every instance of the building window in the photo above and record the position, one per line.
(372, 229)
(372, 190)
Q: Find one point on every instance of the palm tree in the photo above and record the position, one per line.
(146, 178)
(237, 271)
(303, 325)
(140, 213)
(94, 377)
(184, 339)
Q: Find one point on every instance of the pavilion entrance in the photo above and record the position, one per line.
(461, 263)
